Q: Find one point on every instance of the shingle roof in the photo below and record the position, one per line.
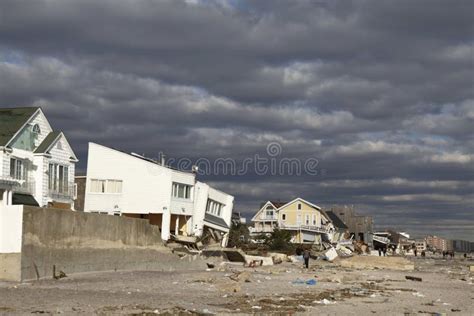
(43, 147)
(215, 220)
(336, 220)
(11, 120)
(277, 204)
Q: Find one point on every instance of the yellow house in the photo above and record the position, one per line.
(306, 221)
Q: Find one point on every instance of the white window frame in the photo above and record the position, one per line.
(214, 207)
(185, 190)
(105, 186)
(283, 217)
(19, 171)
(58, 177)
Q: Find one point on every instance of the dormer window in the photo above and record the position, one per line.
(299, 206)
(36, 129)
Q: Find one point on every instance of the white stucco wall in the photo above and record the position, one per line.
(11, 225)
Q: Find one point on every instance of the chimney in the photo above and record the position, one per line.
(163, 159)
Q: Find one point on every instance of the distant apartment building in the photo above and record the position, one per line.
(361, 227)
(128, 184)
(463, 246)
(438, 243)
(36, 162)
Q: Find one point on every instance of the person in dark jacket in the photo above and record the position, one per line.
(306, 255)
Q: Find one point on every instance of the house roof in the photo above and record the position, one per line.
(301, 200)
(11, 120)
(338, 223)
(215, 220)
(47, 142)
(278, 204)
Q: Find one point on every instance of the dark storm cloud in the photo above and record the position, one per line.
(381, 92)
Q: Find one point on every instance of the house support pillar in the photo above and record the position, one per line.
(165, 224)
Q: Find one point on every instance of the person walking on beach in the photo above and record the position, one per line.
(306, 258)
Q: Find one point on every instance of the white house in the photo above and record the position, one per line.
(36, 163)
(131, 185)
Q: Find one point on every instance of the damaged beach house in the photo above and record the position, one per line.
(307, 222)
(131, 185)
(36, 162)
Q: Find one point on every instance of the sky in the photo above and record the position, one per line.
(373, 100)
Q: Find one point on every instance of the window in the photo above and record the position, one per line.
(17, 169)
(58, 178)
(283, 217)
(106, 186)
(214, 208)
(299, 206)
(307, 219)
(314, 220)
(269, 213)
(36, 129)
(182, 191)
(114, 186)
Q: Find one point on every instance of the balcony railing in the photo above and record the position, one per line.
(323, 229)
(62, 193)
(26, 187)
(268, 218)
(262, 230)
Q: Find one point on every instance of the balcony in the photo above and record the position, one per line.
(265, 217)
(62, 193)
(323, 229)
(259, 230)
(25, 187)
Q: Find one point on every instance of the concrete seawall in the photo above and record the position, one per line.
(81, 242)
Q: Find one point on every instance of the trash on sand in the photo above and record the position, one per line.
(418, 294)
(324, 302)
(256, 307)
(308, 282)
(311, 282)
(412, 278)
(255, 261)
(210, 265)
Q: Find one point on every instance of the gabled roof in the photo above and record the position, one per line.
(47, 142)
(215, 220)
(338, 223)
(263, 206)
(301, 200)
(12, 120)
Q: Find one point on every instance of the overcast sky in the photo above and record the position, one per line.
(381, 93)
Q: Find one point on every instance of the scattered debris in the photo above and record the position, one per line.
(417, 294)
(324, 302)
(255, 261)
(211, 265)
(412, 278)
(307, 282)
(330, 255)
